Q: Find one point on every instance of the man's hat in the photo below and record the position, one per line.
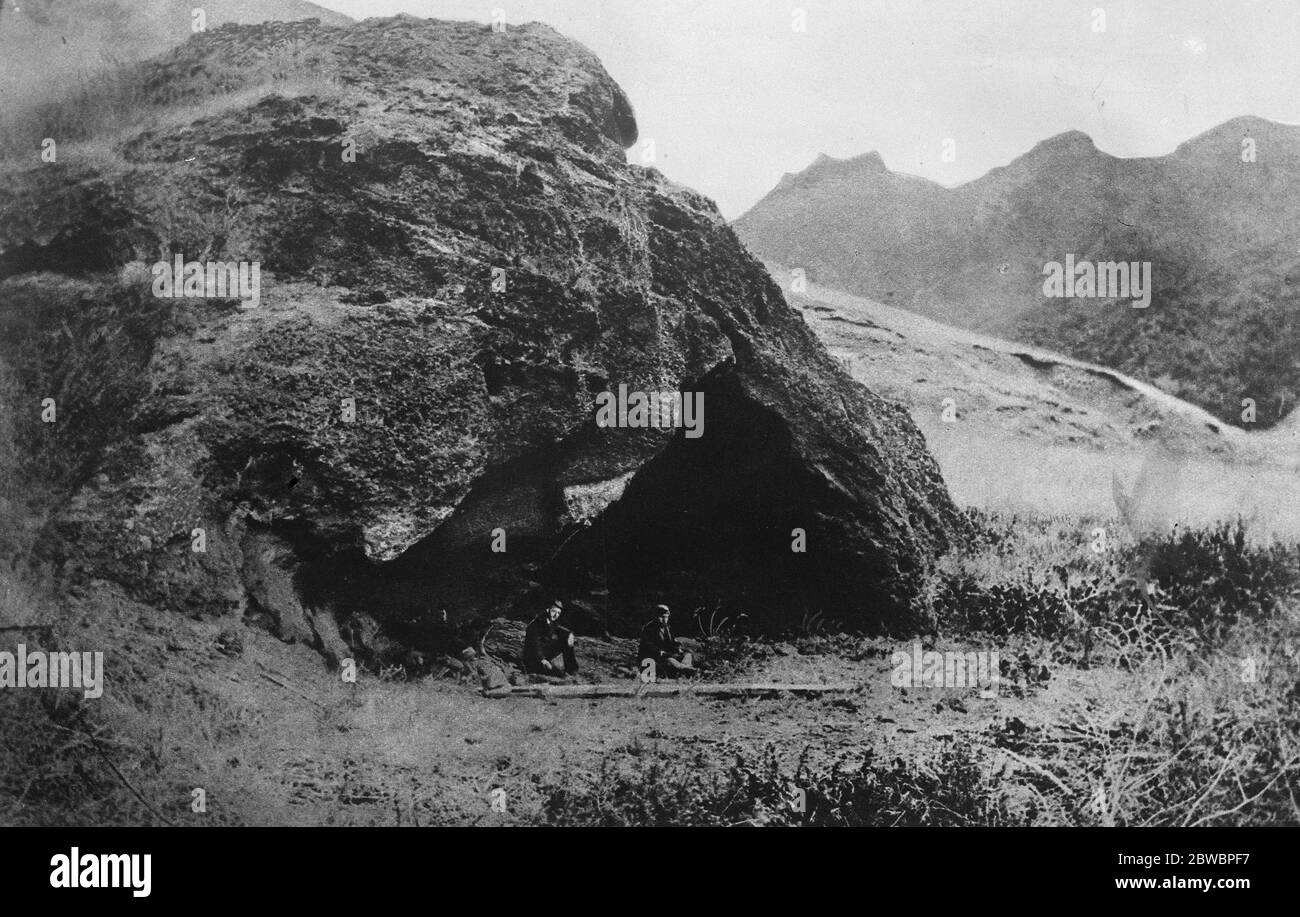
(662, 609)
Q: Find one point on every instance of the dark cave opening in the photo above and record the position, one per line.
(735, 523)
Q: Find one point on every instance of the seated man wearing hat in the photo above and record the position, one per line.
(660, 646)
(545, 642)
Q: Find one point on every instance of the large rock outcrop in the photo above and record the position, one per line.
(418, 377)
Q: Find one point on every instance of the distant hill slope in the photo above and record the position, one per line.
(151, 17)
(1220, 233)
(46, 43)
(1001, 386)
(1032, 430)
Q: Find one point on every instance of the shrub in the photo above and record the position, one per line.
(953, 788)
(1211, 579)
(1157, 594)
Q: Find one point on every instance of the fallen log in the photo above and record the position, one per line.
(279, 681)
(662, 689)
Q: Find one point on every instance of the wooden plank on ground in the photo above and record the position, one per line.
(669, 689)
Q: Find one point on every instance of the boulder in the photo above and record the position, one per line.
(404, 422)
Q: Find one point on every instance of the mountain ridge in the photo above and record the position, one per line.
(1072, 139)
(1213, 217)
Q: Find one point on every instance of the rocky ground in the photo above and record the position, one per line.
(275, 738)
(1091, 694)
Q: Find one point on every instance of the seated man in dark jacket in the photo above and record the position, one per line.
(545, 641)
(659, 645)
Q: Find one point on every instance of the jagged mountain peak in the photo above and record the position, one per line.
(829, 168)
(1214, 218)
(1068, 140)
(1068, 145)
(872, 161)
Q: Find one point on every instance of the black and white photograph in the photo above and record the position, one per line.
(630, 413)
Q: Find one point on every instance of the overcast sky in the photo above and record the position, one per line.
(733, 96)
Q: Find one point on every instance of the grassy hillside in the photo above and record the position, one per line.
(1021, 428)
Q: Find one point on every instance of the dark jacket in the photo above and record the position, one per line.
(543, 640)
(657, 641)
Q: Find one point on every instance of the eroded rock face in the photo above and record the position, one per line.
(435, 321)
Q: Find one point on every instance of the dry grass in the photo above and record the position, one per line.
(1149, 731)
